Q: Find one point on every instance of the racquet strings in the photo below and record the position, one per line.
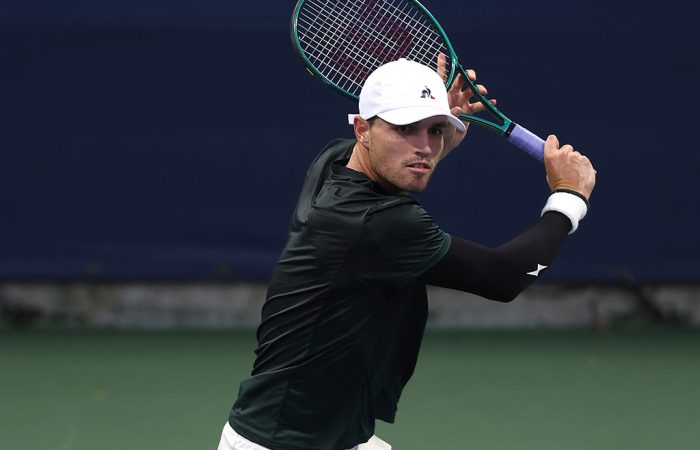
(345, 40)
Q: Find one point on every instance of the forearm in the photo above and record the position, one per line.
(501, 273)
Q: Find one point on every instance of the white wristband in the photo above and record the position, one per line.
(572, 206)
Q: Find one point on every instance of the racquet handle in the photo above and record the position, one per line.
(527, 141)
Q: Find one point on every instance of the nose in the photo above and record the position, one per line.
(421, 144)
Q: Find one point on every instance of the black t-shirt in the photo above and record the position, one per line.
(344, 315)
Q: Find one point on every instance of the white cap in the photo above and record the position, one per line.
(403, 92)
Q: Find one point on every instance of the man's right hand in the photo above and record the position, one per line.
(567, 168)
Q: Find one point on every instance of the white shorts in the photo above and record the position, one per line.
(230, 440)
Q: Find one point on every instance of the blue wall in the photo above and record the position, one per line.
(168, 139)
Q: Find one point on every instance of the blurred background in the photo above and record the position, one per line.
(152, 155)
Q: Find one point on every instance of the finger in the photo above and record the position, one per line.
(480, 87)
(471, 74)
(475, 108)
(567, 148)
(478, 107)
(458, 82)
(442, 66)
(551, 145)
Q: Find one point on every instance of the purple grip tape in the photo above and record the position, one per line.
(527, 141)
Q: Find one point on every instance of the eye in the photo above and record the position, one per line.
(437, 131)
(403, 129)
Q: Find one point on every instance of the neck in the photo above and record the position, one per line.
(359, 162)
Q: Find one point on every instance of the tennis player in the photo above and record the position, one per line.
(347, 306)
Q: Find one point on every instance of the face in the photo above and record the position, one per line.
(403, 157)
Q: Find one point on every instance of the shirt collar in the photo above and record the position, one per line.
(342, 172)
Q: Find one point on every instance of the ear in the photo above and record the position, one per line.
(361, 127)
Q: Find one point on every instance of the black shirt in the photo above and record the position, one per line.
(346, 307)
(344, 315)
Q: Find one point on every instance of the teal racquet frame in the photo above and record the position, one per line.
(362, 18)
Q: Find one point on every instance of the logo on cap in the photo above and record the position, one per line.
(426, 93)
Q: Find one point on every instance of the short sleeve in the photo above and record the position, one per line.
(402, 243)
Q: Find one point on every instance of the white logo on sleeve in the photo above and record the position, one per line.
(535, 273)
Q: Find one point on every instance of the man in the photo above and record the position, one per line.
(346, 305)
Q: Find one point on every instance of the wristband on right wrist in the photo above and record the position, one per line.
(572, 192)
(572, 204)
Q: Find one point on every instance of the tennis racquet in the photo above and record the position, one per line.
(342, 41)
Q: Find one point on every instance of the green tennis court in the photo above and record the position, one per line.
(563, 390)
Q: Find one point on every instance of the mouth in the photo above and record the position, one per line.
(419, 167)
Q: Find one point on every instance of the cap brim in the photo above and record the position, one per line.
(405, 116)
